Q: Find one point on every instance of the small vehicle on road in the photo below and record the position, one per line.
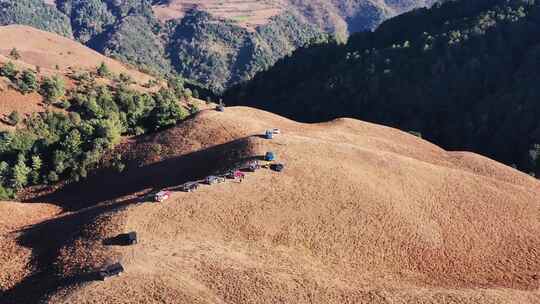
(252, 166)
(162, 196)
(212, 179)
(277, 167)
(269, 156)
(234, 174)
(128, 239)
(110, 271)
(189, 187)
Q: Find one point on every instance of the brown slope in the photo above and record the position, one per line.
(333, 15)
(48, 50)
(362, 214)
(16, 260)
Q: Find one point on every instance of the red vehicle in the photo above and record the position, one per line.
(234, 174)
(162, 196)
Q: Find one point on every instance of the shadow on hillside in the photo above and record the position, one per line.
(109, 185)
(46, 239)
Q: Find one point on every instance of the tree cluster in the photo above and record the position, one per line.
(52, 146)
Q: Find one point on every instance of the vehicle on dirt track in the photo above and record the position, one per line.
(127, 239)
(212, 179)
(277, 167)
(269, 134)
(270, 156)
(234, 174)
(162, 196)
(110, 271)
(252, 166)
(189, 187)
(265, 164)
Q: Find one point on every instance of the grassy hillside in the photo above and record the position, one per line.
(361, 214)
(217, 43)
(463, 74)
(63, 106)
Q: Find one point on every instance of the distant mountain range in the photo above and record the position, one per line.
(217, 43)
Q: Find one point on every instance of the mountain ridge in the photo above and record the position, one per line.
(135, 32)
(460, 74)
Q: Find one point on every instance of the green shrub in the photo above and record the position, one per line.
(14, 118)
(63, 104)
(9, 70)
(103, 70)
(125, 79)
(52, 177)
(6, 194)
(14, 53)
(27, 82)
(52, 89)
(193, 109)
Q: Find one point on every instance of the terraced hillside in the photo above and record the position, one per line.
(253, 13)
(247, 13)
(361, 213)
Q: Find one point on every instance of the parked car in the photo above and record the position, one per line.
(252, 166)
(127, 239)
(212, 179)
(110, 271)
(270, 156)
(277, 167)
(269, 134)
(162, 196)
(234, 174)
(189, 187)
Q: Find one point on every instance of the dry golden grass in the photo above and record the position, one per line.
(361, 214)
(48, 50)
(15, 260)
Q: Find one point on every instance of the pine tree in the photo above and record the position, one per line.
(36, 169)
(4, 172)
(19, 173)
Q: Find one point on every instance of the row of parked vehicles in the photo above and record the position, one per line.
(236, 174)
(130, 238)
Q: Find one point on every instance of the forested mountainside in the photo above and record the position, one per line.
(464, 74)
(217, 43)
